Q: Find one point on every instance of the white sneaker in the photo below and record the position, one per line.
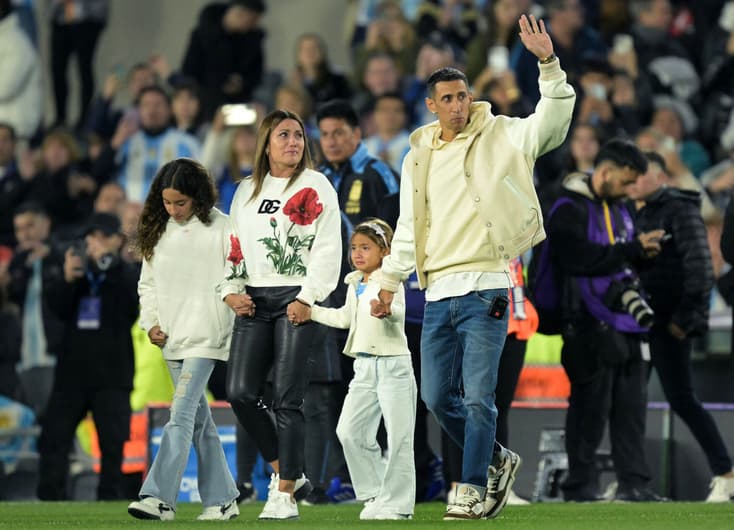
(499, 482)
(467, 504)
(301, 490)
(223, 512)
(391, 516)
(513, 499)
(722, 489)
(280, 505)
(151, 508)
(371, 508)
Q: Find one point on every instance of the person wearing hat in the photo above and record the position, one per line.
(97, 302)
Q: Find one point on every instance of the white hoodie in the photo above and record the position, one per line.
(178, 289)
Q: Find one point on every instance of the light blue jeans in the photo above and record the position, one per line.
(461, 347)
(191, 421)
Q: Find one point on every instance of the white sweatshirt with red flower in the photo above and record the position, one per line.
(285, 237)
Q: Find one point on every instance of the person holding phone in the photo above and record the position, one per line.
(462, 171)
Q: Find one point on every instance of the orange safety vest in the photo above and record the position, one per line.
(523, 328)
(135, 452)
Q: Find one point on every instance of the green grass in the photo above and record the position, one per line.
(103, 515)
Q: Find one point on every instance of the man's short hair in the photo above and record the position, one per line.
(11, 130)
(157, 89)
(656, 158)
(339, 109)
(258, 6)
(447, 73)
(622, 153)
(30, 207)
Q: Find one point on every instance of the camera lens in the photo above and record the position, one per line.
(636, 306)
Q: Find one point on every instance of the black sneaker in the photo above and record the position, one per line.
(317, 497)
(639, 494)
(248, 493)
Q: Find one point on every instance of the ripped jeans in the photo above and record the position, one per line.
(191, 421)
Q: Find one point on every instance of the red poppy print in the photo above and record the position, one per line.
(304, 207)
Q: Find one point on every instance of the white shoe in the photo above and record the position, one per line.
(467, 504)
(513, 499)
(392, 516)
(722, 489)
(151, 508)
(280, 505)
(222, 512)
(301, 490)
(371, 508)
(499, 482)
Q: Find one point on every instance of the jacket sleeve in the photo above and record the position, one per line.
(148, 297)
(322, 272)
(398, 265)
(577, 256)
(397, 308)
(546, 128)
(339, 317)
(691, 243)
(231, 285)
(17, 63)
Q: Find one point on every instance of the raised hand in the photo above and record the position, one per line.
(535, 37)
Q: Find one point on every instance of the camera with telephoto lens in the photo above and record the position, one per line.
(625, 296)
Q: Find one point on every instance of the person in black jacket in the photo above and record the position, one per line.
(98, 302)
(679, 282)
(225, 53)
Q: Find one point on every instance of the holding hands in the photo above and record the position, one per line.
(535, 38)
(241, 304)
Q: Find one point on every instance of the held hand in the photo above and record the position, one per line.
(650, 242)
(157, 337)
(535, 38)
(298, 312)
(241, 304)
(676, 331)
(380, 308)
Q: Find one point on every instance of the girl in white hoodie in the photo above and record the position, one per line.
(184, 241)
(383, 385)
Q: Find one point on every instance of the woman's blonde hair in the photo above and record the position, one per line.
(262, 163)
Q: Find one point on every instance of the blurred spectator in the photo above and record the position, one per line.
(502, 92)
(225, 53)
(103, 117)
(14, 184)
(630, 107)
(129, 217)
(314, 72)
(719, 180)
(679, 283)
(361, 181)
(75, 29)
(596, 106)
(584, 144)
(241, 158)
(433, 54)
(186, 109)
(457, 20)
(135, 155)
(34, 265)
(500, 31)
(390, 142)
(381, 75)
(21, 89)
(676, 120)
(718, 80)
(10, 333)
(110, 198)
(573, 41)
(97, 300)
(63, 186)
(389, 32)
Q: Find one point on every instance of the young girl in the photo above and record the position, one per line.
(184, 242)
(383, 384)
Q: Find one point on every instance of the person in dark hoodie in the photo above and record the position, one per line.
(679, 283)
(97, 300)
(225, 53)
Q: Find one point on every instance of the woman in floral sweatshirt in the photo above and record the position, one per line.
(285, 255)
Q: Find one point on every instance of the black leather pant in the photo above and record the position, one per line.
(260, 343)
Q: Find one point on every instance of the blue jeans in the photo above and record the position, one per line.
(460, 354)
(191, 420)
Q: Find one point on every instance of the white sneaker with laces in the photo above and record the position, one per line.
(301, 490)
(222, 512)
(371, 508)
(499, 482)
(722, 489)
(467, 504)
(151, 508)
(280, 506)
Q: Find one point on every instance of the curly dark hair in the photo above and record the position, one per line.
(186, 176)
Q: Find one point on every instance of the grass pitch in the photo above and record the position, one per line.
(103, 515)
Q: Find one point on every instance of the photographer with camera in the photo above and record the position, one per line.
(679, 282)
(593, 247)
(97, 301)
